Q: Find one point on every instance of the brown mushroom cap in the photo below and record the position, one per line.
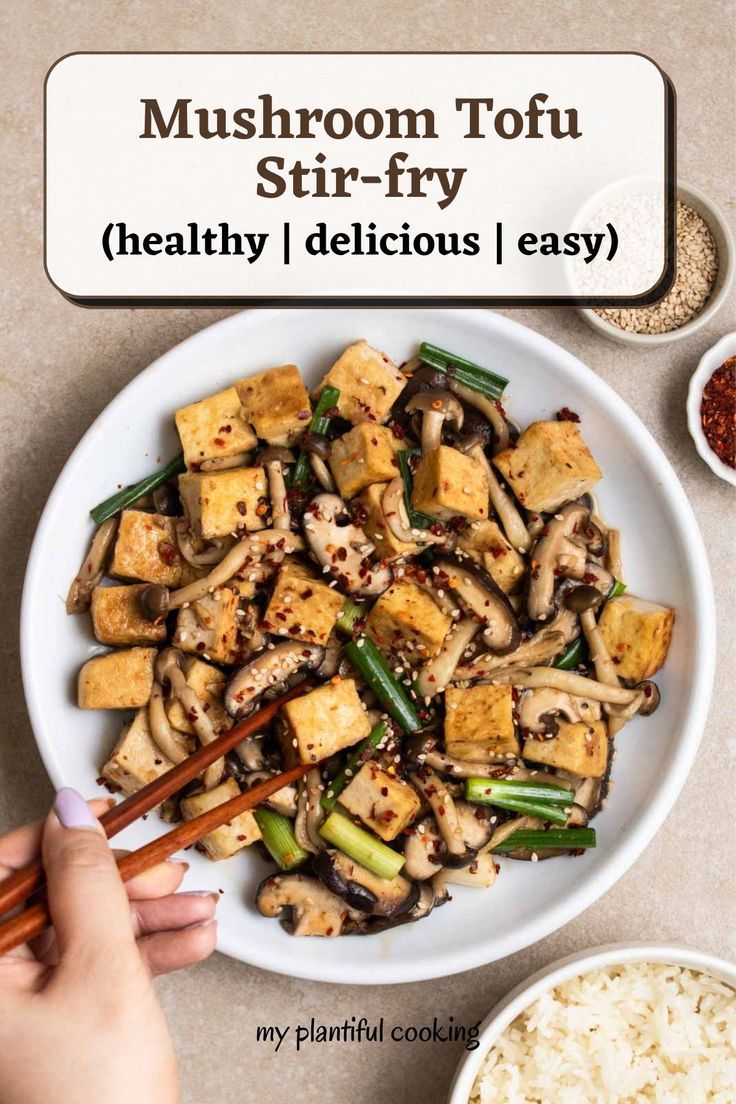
(275, 454)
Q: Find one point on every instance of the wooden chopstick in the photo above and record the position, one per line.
(19, 886)
(30, 923)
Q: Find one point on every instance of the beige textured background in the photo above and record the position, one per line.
(61, 365)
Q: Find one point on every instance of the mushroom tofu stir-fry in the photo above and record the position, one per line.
(439, 580)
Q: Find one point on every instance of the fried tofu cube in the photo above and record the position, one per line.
(209, 627)
(407, 620)
(276, 404)
(117, 680)
(208, 683)
(136, 759)
(637, 635)
(146, 549)
(117, 618)
(323, 722)
(549, 466)
(302, 609)
(580, 749)
(213, 429)
(448, 483)
(368, 381)
(228, 839)
(486, 544)
(376, 527)
(382, 801)
(479, 724)
(220, 503)
(365, 455)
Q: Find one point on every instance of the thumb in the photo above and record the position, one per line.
(87, 898)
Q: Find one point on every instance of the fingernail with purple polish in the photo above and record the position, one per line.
(73, 811)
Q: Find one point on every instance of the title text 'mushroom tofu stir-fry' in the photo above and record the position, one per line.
(441, 582)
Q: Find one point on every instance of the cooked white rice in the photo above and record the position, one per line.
(625, 1035)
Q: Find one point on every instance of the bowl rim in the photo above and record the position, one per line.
(711, 359)
(563, 969)
(685, 191)
(631, 844)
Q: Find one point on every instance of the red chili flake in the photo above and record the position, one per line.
(389, 815)
(589, 578)
(307, 593)
(718, 412)
(567, 415)
(384, 791)
(436, 530)
(441, 810)
(218, 441)
(342, 553)
(241, 508)
(398, 431)
(167, 552)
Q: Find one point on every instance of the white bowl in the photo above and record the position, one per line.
(574, 965)
(707, 365)
(665, 561)
(723, 239)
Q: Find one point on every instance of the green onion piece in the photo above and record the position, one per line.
(573, 839)
(318, 424)
(366, 658)
(117, 502)
(483, 791)
(362, 754)
(348, 615)
(361, 846)
(417, 520)
(575, 652)
(464, 371)
(278, 836)
(542, 810)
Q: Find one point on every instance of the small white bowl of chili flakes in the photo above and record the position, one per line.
(711, 408)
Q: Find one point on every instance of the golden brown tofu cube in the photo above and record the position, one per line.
(381, 800)
(487, 545)
(448, 484)
(406, 620)
(228, 839)
(213, 429)
(323, 722)
(136, 759)
(368, 381)
(117, 680)
(146, 549)
(302, 609)
(208, 683)
(276, 404)
(479, 724)
(117, 617)
(550, 465)
(365, 455)
(209, 627)
(580, 749)
(220, 503)
(376, 527)
(637, 635)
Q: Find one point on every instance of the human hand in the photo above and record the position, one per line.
(79, 1018)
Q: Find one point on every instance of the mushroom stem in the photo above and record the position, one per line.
(280, 515)
(442, 805)
(168, 669)
(171, 744)
(251, 547)
(606, 671)
(614, 562)
(91, 572)
(510, 518)
(322, 473)
(540, 648)
(438, 672)
(578, 685)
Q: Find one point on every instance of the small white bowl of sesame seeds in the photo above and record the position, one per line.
(704, 275)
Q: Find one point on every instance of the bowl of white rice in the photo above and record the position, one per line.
(622, 1024)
